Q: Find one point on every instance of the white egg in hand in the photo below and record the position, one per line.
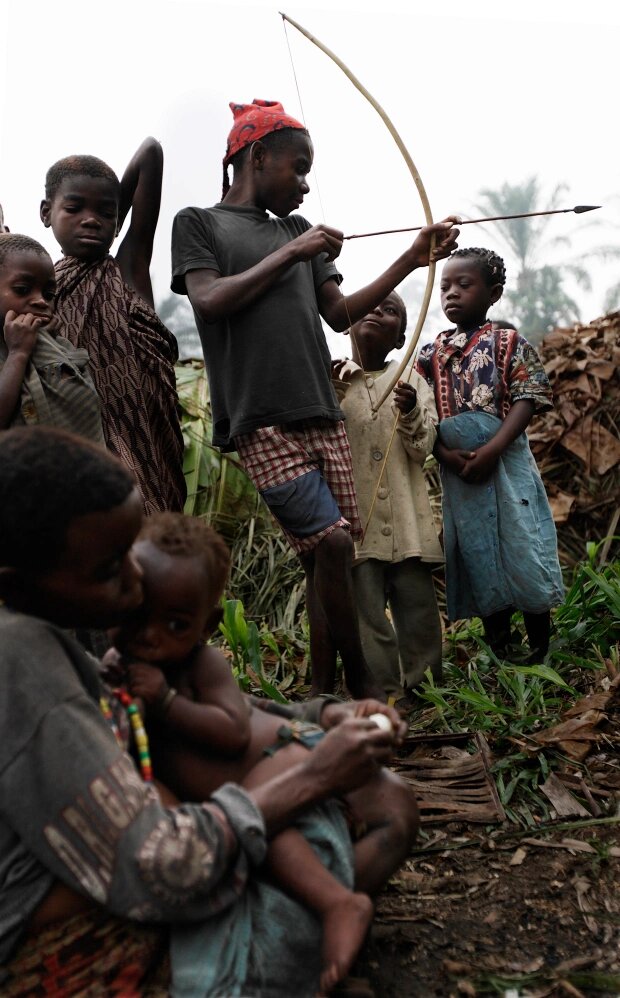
(382, 721)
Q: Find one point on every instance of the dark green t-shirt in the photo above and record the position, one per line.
(267, 364)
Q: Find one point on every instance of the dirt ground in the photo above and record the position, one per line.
(502, 912)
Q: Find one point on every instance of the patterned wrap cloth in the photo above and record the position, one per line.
(132, 357)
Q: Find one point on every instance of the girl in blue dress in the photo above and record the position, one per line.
(499, 536)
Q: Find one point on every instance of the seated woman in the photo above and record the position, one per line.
(203, 732)
(91, 862)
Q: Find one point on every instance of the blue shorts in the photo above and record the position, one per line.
(304, 474)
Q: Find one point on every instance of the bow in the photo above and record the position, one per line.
(419, 186)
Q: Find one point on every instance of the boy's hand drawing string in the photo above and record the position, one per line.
(428, 215)
(316, 184)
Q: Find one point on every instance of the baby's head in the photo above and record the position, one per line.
(27, 280)
(69, 514)
(81, 205)
(184, 566)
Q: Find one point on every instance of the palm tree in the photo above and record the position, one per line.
(540, 301)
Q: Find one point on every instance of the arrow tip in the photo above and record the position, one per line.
(580, 208)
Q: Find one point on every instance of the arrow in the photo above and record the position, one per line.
(578, 210)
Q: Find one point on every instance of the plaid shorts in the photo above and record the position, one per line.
(316, 457)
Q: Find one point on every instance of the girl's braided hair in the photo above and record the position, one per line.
(491, 265)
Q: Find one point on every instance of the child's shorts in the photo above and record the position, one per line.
(303, 472)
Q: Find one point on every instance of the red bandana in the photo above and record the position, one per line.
(253, 121)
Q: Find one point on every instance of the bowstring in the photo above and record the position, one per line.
(318, 191)
(351, 330)
(406, 376)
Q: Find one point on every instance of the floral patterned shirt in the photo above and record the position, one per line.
(487, 370)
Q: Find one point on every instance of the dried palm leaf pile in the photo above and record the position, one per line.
(451, 783)
(577, 445)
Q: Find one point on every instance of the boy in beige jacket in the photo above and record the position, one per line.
(394, 561)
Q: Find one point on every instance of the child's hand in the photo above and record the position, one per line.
(454, 459)
(53, 326)
(481, 465)
(113, 668)
(318, 239)
(21, 331)
(445, 241)
(147, 682)
(405, 397)
(340, 371)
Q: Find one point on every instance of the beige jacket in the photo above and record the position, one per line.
(402, 524)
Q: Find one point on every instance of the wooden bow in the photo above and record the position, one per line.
(419, 186)
(429, 221)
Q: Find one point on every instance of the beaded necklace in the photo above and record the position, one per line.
(139, 733)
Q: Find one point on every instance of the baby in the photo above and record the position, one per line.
(203, 731)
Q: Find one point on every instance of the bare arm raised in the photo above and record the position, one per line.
(140, 193)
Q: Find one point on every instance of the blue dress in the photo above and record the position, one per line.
(499, 537)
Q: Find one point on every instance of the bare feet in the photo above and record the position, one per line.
(345, 925)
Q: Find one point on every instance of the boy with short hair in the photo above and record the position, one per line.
(259, 286)
(106, 306)
(394, 561)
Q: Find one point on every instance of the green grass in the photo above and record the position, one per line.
(509, 702)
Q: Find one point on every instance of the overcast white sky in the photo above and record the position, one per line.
(482, 92)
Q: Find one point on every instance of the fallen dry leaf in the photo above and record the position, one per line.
(582, 886)
(517, 857)
(466, 988)
(562, 799)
